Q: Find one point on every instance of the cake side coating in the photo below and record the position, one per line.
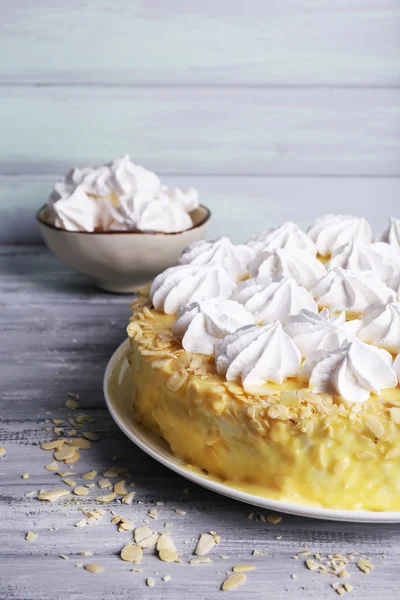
(296, 445)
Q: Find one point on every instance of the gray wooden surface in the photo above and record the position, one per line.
(56, 336)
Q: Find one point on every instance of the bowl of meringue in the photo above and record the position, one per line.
(119, 225)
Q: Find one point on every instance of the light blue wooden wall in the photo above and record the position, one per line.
(274, 109)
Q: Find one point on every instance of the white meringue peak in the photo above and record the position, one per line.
(119, 196)
(311, 331)
(288, 236)
(391, 235)
(380, 258)
(234, 258)
(351, 291)
(202, 325)
(394, 284)
(299, 265)
(353, 371)
(78, 212)
(332, 231)
(271, 299)
(381, 326)
(396, 366)
(257, 355)
(179, 286)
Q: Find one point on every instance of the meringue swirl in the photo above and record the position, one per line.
(179, 286)
(353, 371)
(299, 265)
(288, 236)
(380, 258)
(202, 325)
(394, 284)
(311, 332)
(351, 291)
(257, 355)
(381, 326)
(392, 234)
(273, 299)
(332, 231)
(119, 196)
(235, 259)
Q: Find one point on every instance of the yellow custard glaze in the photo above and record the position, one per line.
(288, 444)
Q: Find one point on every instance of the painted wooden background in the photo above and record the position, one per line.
(284, 108)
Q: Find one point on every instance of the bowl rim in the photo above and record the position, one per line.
(202, 221)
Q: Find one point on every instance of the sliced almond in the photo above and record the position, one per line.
(104, 483)
(64, 453)
(73, 459)
(131, 553)
(69, 482)
(71, 404)
(165, 543)
(91, 435)
(168, 555)
(206, 542)
(374, 425)
(233, 581)
(93, 568)
(111, 474)
(107, 498)
(2, 452)
(56, 445)
(89, 475)
(150, 582)
(176, 380)
(144, 537)
(243, 568)
(53, 466)
(80, 443)
(126, 526)
(274, 519)
(30, 536)
(80, 491)
(128, 498)
(81, 523)
(395, 415)
(120, 488)
(200, 560)
(53, 495)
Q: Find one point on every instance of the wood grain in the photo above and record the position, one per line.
(203, 131)
(240, 205)
(193, 42)
(56, 335)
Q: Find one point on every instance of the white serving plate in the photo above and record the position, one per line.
(119, 402)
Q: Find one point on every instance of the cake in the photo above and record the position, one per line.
(274, 366)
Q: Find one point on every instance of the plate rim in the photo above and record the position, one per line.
(356, 516)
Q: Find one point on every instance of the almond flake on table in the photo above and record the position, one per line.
(53, 466)
(205, 544)
(71, 404)
(128, 498)
(89, 475)
(80, 491)
(233, 581)
(80, 443)
(131, 553)
(243, 568)
(25, 475)
(3, 451)
(120, 488)
(107, 498)
(104, 483)
(91, 435)
(30, 536)
(93, 568)
(53, 495)
(150, 582)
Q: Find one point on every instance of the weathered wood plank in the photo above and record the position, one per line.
(203, 131)
(56, 335)
(265, 201)
(191, 42)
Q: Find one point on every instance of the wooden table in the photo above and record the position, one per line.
(57, 333)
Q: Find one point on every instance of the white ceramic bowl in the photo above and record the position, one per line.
(121, 261)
